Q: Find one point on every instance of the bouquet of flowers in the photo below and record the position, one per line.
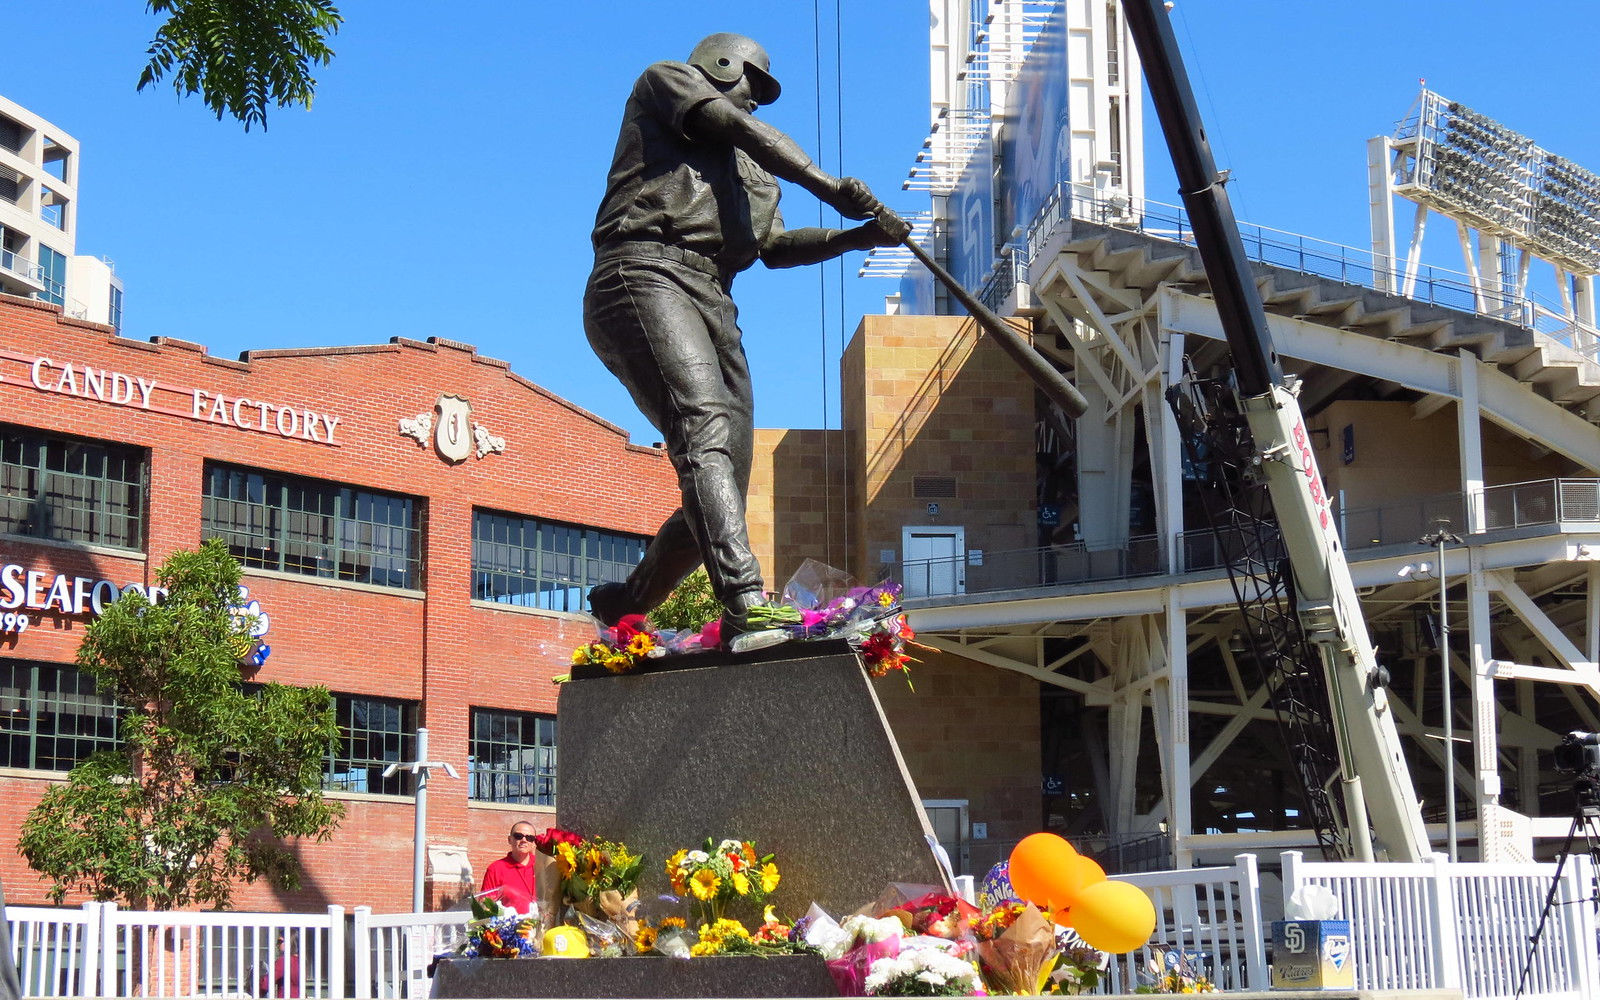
(601, 878)
(547, 871)
(1169, 970)
(922, 972)
(497, 932)
(1078, 971)
(728, 872)
(1016, 946)
(622, 647)
(941, 916)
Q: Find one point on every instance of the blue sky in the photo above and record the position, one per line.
(446, 181)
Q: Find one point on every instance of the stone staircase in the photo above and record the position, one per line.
(1140, 262)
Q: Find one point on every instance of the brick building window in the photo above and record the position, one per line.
(542, 564)
(52, 717)
(512, 758)
(71, 489)
(274, 521)
(373, 733)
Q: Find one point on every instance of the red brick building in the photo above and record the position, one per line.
(418, 523)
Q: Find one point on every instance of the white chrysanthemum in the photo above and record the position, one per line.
(697, 857)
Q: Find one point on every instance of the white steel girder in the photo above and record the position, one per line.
(1501, 398)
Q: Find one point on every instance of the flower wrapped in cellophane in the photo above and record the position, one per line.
(1016, 946)
(601, 878)
(499, 932)
(723, 872)
(922, 972)
(833, 606)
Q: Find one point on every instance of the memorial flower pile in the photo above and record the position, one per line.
(622, 647)
(818, 603)
(1016, 949)
(722, 872)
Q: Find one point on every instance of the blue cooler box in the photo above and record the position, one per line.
(1312, 955)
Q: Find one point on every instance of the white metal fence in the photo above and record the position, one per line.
(393, 951)
(1210, 915)
(1436, 925)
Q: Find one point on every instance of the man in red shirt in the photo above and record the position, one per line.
(512, 875)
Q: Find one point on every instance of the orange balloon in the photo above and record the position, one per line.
(1114, 917)
(1038, 862)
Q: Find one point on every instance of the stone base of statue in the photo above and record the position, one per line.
(787, 746)
(646, 978)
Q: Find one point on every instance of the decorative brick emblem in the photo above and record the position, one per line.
(454, 435)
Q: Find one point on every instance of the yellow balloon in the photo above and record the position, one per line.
(1113, 917)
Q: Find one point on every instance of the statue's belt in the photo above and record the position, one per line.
(645, 248)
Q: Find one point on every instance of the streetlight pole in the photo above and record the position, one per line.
(1438, 539)
(421, 768)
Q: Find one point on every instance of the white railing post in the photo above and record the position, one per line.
(361, 947)
(1255, 952)
(1582, 927)
(108, 944)
(1292, 876)
(93, 945)
(1442, 927)
(336, 952)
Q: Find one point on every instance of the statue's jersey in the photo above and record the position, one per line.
(665, 187)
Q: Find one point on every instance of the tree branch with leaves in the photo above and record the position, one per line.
(212, 779)
(242, 56)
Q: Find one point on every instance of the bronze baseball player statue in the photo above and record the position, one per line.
(692, 200)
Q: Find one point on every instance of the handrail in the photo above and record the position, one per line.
(1305, 254)
(1508, 506)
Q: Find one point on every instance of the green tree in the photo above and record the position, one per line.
(691, 605)
(210, 780)
(242, 55)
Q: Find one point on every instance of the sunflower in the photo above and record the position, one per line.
(741, 883)
(670, 922)
(593, 861)
(705, 884)
(580, 656)
(769, 877)
(566, 859)
(645, 939)
(641, 644)
(676, 860)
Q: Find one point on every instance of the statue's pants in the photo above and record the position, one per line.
(665, 326)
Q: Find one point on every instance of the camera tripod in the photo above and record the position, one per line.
(1585, 820)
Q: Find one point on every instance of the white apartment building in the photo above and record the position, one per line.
(39, 222)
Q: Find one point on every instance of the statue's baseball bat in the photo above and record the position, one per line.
(1043, 374)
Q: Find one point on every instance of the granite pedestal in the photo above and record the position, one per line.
(787, 747)
(646, 978)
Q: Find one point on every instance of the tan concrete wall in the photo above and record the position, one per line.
(797, 508)
(936, 400)
(1399, 457)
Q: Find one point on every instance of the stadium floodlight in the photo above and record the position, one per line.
(1476, 170)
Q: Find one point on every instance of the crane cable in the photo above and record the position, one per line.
(822, 280)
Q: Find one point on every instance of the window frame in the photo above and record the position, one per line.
(367, 770)
(556, 569)
(313, 527)
(83, 687)
(34, 483)
(488, 783)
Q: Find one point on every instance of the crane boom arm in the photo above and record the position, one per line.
(1374, 773)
